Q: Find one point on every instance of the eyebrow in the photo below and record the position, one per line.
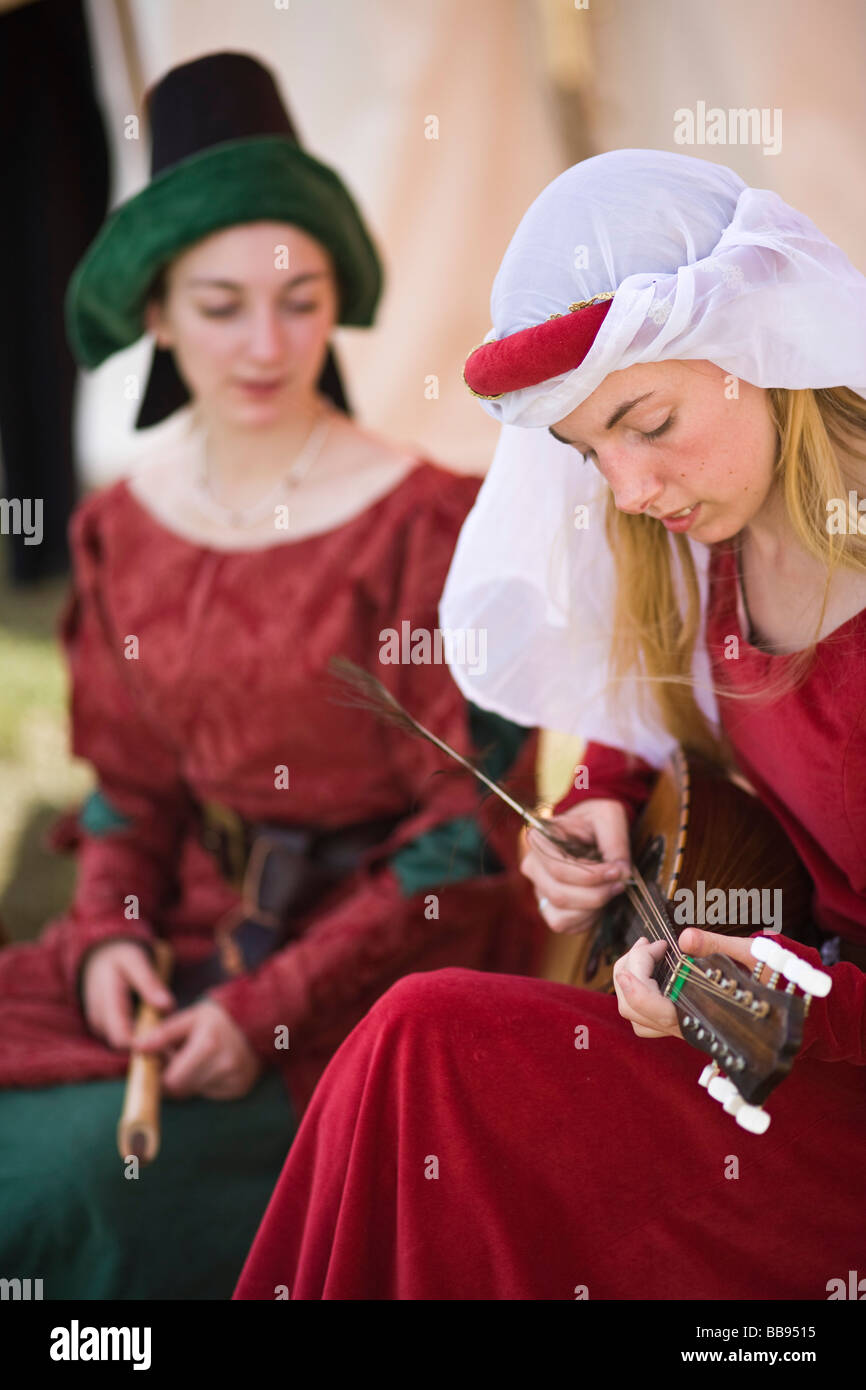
(233, 285)
(614, 419)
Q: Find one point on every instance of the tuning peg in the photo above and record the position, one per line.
(721, 1089)
(817, 983)
(799, 971)
(768, 952)
(793, 967)
(811, 981)
(709, 1071)
(752, 1118)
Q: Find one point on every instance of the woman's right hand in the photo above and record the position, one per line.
(576, 893)
(110, 975)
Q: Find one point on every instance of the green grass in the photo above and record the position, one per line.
(38, 778)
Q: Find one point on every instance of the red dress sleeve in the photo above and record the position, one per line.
(131, 826)
(614, 775)
(383, 923)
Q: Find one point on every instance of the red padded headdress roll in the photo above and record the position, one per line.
(538, 353)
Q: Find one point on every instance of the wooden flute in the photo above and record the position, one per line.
(138, 1129)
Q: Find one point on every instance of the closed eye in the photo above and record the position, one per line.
(225, 311)
(645, 434)
(654, 434)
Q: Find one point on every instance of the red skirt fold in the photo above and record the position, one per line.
(460, 1146)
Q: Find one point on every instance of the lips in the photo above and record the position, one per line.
(680, 523)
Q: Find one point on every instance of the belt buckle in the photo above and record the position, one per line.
(273, 846)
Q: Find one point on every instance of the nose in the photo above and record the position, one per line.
(636, 508)
(635, 489)
(266, 336)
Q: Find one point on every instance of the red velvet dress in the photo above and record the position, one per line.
(460, 1145)
(229, 682)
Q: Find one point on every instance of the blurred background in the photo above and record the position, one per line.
(517, 89)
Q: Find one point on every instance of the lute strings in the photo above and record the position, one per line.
(658, 928)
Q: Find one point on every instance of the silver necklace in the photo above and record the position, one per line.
(248, 516)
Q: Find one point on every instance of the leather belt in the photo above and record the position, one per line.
(235, 842)
(280, 871)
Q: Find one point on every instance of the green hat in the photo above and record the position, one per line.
(223, 152)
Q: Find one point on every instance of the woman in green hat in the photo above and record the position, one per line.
(297, 856)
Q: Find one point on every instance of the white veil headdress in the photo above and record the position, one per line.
(703, 268)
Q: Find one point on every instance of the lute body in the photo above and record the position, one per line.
(708, 853)
(700, 827)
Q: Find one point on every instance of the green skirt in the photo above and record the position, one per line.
(181, 1229)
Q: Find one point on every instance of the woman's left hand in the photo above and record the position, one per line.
(641, 1001)
(208, 1054)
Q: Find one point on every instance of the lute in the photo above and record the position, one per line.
(697, 826)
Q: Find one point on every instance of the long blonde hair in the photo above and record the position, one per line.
(654, 641)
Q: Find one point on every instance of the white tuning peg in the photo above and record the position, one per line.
(811, 981)
(706, 1076)
(720, 1088)
(757, 947)
(817, 983)
(800, 973)
(770, 952)
(753, 1118)
(791, 966)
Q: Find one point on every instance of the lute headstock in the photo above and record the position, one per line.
(751, 1031)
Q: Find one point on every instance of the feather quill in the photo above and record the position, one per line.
(364, 691)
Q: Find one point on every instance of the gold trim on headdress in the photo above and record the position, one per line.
(596, 299)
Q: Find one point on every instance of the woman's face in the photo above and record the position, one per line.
(248, 313)
(685, 440)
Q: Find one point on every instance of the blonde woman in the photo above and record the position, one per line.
(698, 350)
